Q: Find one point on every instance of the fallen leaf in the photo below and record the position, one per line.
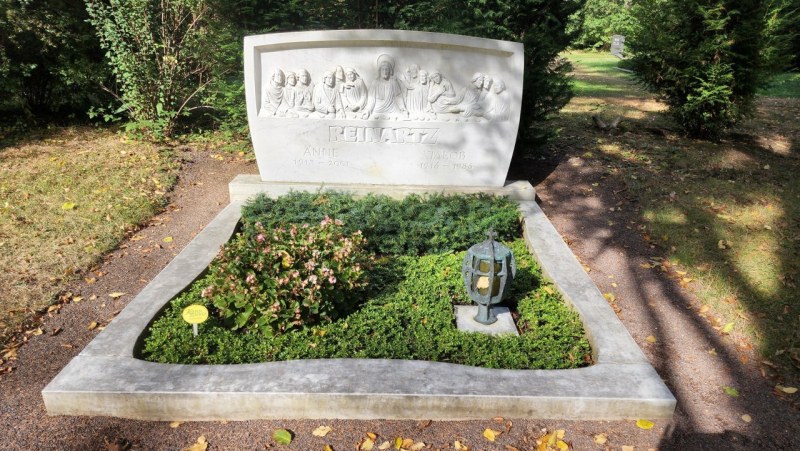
(650, 339)
(789, 390)
(321, 431)
(548, 289)
(727, 328)
(459, 446)
(747, 418)
(491, 434)
(406, 444)
(116, 294)
(367, 445)
(92, 325)
(730, 391)
(498, 420)
(200, 445)
(175, 424)
(610, 297)
(373, 436)
(644, 424)
(37, 332)
(282, 437)
(704, 309)
(601, 439)
(167, 239)
(417, 446)
(118, 444)
(626, 448)
(385, 445)
(712, 351)
(424, 424)
(68, 206)
(327, 448)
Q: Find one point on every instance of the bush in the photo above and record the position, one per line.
(412, 226)
(702, 57)
(407, 315)
(278, 279)
(50, 65)
(159, 53)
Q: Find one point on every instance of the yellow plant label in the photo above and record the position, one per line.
(195, 314)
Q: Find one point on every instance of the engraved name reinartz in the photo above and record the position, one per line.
(392, 135)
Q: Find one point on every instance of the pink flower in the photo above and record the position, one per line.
(251, 279)
(260, 238)
(207, 292)
(332, 280)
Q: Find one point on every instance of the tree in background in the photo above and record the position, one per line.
(598, 21)
(702, 57)
(161, 54)
(50, 63)
(782, 35)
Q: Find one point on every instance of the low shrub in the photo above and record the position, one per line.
(277, 279)
(413, 226)
(407, 314)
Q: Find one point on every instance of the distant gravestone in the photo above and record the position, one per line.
(618, 45)
(383, 107)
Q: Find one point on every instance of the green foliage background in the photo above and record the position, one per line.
(51, 65)
(598, 21)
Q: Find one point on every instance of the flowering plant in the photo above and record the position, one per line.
(275, 280)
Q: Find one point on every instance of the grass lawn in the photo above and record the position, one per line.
(725, 215)
(68, 196)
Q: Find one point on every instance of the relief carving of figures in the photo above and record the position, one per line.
(471, 104)
(416, 82)
(497, 108)
(272, 100)
(354, 93)
(327, 101)
(417, 95)
(442, 95)
(304, 94)
(386, 94)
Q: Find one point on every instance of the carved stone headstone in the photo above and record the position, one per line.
(618, 45)
(383, 107)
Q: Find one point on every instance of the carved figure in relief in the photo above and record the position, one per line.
(487, 86)
(497, 108)
(340, 78)
(386, 94)
(327, 99)
(354, 93)
(290, 94)
(470, 104)
(442, 95)
(416, 93)
(304, 94)
(272, 99)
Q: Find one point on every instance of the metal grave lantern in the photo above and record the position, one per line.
(488, 270)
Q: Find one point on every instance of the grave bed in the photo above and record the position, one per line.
(107, 379)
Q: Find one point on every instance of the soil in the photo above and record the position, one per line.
(649, 304)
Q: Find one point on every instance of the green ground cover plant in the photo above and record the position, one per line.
(405, 311)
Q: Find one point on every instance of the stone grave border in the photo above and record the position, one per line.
(106, 379)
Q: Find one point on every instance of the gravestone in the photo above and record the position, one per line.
(618, 45)
(383, 107)
(345, 107)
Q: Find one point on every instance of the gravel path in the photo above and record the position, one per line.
(649, 303)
